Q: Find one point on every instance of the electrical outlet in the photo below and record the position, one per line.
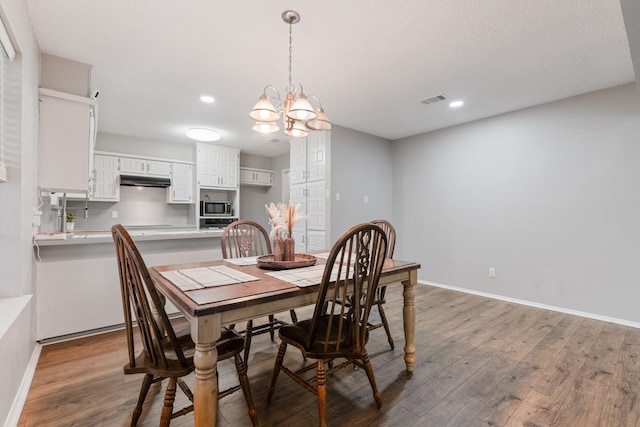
(492, 272)
(114, 214)
(337, 197)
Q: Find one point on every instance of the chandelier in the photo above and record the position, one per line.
(296, 112)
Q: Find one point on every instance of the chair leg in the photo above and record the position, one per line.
(294, 316)
(276, 370)
(372, 380)
(383, 318)
(247, 343)
(144, 389)
(321, 377)
(169, 398)
(271, 330)
(246, 390)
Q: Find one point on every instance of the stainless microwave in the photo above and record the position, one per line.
(215, 208)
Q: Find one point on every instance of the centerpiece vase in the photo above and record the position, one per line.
(289, 249)
(278, 249)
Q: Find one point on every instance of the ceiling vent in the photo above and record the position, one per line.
(434, 99)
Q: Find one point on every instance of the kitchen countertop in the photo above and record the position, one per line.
(138, 234)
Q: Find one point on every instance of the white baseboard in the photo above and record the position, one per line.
(537, 305)
(21, 396)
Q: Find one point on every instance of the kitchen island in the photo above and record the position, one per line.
(78, 289)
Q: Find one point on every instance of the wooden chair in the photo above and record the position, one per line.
(165, 353)
(353, 268)
(390, 232)
(242, 239)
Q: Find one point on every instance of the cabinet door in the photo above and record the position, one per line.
(208, 166)
(156, 168)
(315, 199)
(181, 190)
(64, 144)
(298, 161)
(105, 184)
(229, 169)
(217, 167)
(316, 156)
(132, 166)
(264, 178)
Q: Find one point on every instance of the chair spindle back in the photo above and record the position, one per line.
(353, 268)
(245, 238)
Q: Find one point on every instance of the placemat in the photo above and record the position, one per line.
(206, 277)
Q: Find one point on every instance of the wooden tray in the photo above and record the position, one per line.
(302, 260)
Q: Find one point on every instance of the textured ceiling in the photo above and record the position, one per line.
(369, 62)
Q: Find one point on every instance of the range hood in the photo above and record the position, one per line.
(144, 181)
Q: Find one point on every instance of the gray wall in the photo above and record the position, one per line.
(253, 198)
(549, 196)
(360, 166)
(19, 198)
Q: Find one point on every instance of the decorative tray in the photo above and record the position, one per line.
(302, 260)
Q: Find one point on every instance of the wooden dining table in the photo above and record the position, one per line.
(210, 308)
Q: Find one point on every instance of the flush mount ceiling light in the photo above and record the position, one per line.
(456, 104)
(207, 98)
(297, 113)
(203, 134)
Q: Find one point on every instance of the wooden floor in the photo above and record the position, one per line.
(479, 362)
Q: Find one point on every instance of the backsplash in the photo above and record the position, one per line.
(137, 206)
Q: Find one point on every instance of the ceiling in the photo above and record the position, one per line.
(371, 63)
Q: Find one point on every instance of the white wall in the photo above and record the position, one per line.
(19, 197)
(549, 196)
(360, 166)
(174, 150)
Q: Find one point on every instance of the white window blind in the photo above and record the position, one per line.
(7, 55)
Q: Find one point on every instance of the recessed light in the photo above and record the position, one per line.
(207, 98)
(202, 134)
(456, 104)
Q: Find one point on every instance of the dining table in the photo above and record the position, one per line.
(214, 294)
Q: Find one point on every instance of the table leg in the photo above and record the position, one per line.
(409, 319)
(205, 332)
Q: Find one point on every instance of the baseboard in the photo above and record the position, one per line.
(21, 397)
(615, 320)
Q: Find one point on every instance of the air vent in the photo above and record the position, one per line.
(434, 99)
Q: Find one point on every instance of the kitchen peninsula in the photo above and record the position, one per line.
(77, 280)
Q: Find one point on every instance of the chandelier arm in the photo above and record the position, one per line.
(309, 97)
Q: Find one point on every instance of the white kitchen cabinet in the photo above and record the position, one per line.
(144, 167)
(181, 190)
(65, 143)
(217, 167)
(310, 188)
(253, 176)
(106, 186)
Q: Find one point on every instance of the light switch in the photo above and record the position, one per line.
(114, 214)
(366, 199)
(337, 197)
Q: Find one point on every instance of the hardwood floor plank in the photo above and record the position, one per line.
(480, 362)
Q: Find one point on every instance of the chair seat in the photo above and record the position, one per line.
(296, 334)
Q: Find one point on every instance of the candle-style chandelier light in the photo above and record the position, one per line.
(297, 113)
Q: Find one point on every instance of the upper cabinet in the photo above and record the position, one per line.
(181, 190)
(66, 139)
(143, 167)
(106, 187)
(217, 166)
(259, 177)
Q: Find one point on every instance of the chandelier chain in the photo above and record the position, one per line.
(290, 49)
